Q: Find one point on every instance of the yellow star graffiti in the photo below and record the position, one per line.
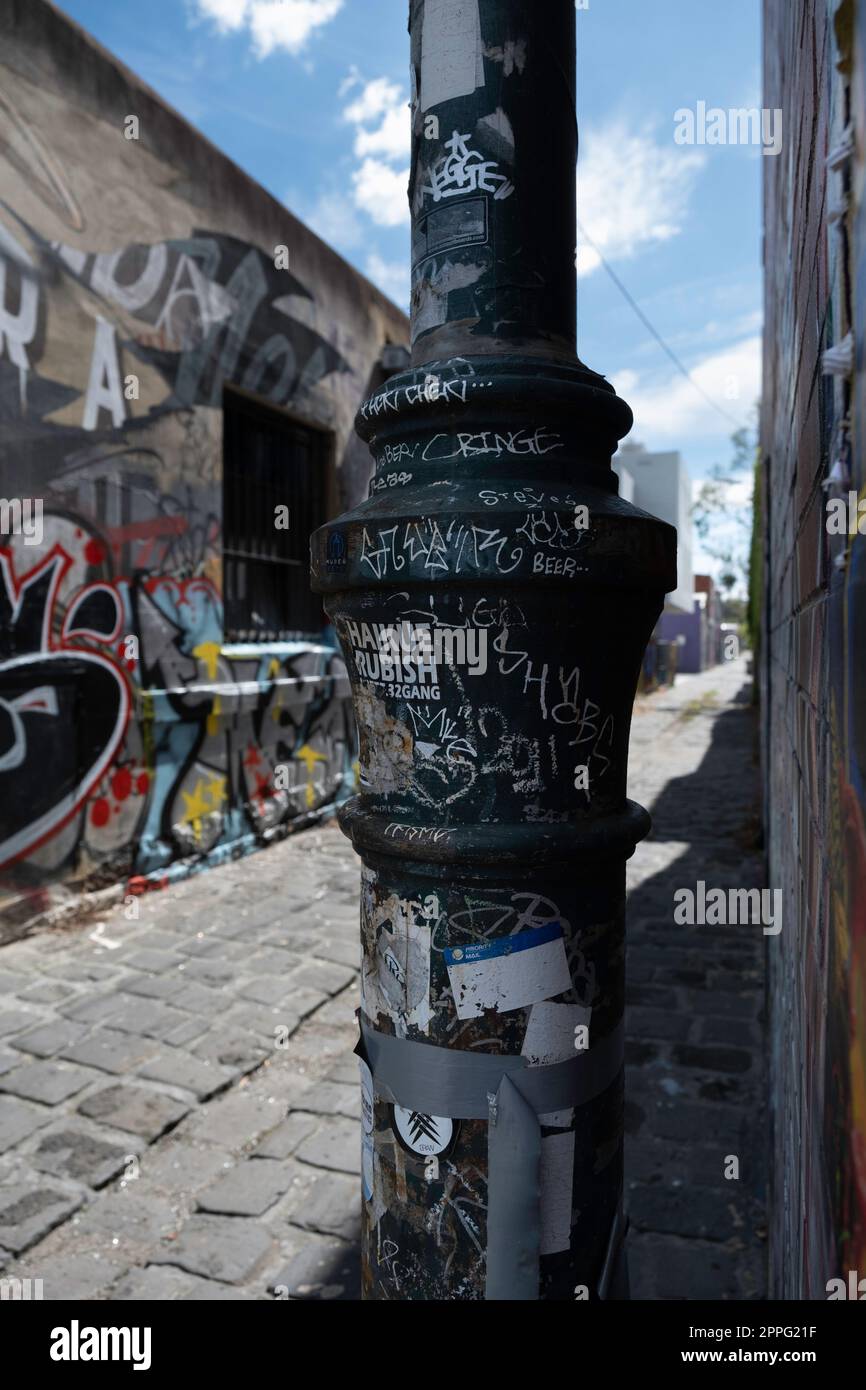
(209, 653)
(217, 792)
(207, 797)
(309, 757)
(197, 806)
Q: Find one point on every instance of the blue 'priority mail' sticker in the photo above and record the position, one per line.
(510, 972)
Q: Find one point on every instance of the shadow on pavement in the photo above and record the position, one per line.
(696, 1142)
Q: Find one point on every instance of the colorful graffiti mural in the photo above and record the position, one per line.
(129, 737)
(132, 738)
(814, 713)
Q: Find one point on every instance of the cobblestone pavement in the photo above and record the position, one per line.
(178, 1096)
(696, 1083)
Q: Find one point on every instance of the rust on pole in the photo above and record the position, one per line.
(493, 598)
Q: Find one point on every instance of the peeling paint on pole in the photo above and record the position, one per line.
(493, 896)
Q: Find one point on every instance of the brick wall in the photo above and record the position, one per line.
(813, 647)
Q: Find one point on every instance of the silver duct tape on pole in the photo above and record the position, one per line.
(510, 1095)
(513, 1196)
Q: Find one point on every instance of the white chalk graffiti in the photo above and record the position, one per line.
(391, 480)
(543, 528)
(418, 393)
(392, 456)
(436, 731)
(563, 706)
(463, 170)
(483, 919)
(519, 442)
(416, 834)
(458, 548)
(526, 497)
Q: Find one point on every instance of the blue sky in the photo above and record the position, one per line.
(309, 96)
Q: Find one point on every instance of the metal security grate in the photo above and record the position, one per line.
(270, 461)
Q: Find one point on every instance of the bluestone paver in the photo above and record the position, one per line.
(223, 1162)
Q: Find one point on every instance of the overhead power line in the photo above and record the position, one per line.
(680, 366)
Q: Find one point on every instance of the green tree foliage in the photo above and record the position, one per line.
(723, 526)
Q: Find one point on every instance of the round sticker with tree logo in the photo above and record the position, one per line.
(427, 1135)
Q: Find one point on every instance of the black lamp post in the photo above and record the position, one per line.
(493, 598)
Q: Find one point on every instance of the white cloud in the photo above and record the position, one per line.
(333, 218)
(377, 186)
(738, 495)
(380, 114)
(273, 24)
(668, 410)
(377, 98)
(632, 191)
(226, 14)
(392, 277)
(381, 192)
(352, 78)
(391, 139)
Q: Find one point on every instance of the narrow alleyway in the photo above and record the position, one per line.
(179, 1108)
(696, 1083)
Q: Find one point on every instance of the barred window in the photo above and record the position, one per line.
(270, 463)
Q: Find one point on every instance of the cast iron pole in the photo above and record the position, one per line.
(493, 598)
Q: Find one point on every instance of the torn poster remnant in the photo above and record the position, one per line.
(452, 57)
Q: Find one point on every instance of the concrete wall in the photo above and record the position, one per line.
(150, 258)
(659, 483)
(712, 620)
(814, 644)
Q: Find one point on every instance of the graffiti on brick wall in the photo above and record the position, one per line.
(845, 1115)
(844, 1128)
(127, 737)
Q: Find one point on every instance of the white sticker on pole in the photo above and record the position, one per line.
(452, 59)
(509, 973)
(555, 1033)
(429, 1135)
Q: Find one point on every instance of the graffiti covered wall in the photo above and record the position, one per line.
(138, 277)
(813, 421)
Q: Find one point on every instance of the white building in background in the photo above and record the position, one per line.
(660, 484)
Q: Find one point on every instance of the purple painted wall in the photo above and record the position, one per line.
(688, 625)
